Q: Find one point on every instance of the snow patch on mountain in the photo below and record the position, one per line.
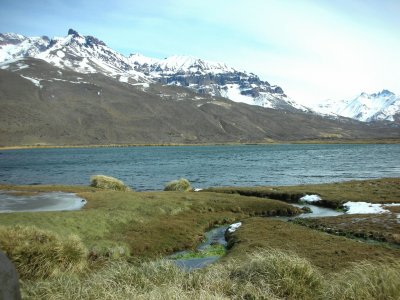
(13, 46)
(382, 106)
(233, 92)
(35, 81)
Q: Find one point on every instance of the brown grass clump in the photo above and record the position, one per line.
(180, 185)
(284, 273)
(108, 183)
(264, 274)
(366, 281)
(38, 253)
(160, 279)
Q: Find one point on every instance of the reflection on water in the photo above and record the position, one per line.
(318, 211)
(55, 201)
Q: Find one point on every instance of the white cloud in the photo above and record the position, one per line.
(313, 50)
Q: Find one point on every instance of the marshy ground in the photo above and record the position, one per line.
(130, 231)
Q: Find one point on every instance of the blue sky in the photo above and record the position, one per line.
(315, 50)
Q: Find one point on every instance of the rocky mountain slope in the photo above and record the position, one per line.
(48, 105)
(382, 106)
(87, 54)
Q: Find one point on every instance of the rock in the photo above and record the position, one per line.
(73, 32)
(9, 284)
(306, 210)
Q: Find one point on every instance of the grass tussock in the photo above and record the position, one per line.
(108, 183)
(366, 281)
(286, 274)
(265, 274)
(179, 185)
(38, 253)
(150, 280)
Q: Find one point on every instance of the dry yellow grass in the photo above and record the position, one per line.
(39, 253)
(108, 183)
(179, 185)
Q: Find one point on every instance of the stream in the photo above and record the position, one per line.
(215, 236)
(190, 260)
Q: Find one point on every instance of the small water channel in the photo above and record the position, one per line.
(215, 237)
(317, 211)
(201, 257)
(16, 201)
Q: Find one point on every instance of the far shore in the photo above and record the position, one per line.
(271, 142)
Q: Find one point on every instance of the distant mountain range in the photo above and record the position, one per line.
(76, 90)
(382, 106)
(87, 54)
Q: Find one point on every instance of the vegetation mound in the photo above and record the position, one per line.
(108, 183)
(268, 274)
(38, 253)
(367, 281)
(286, 274)
(180, 185)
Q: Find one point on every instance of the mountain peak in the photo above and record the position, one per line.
(73, 32)
(385, 93)
(383, 105)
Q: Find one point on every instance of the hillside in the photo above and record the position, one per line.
(44, 104)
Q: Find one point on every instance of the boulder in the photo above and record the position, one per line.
(9, 284)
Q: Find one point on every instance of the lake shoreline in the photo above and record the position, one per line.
(277, 142)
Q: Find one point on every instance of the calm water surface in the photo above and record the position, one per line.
(149, 168)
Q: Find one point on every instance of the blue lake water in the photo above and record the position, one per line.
(149, 168)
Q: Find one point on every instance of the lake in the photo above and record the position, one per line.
(149, 168)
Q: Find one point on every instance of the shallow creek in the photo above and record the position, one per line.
(317, 211)
(216, 236)
(213, 237)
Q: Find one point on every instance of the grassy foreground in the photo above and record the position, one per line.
(124, 234)
(144, 224)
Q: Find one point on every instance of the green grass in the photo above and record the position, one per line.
(125, 232)
(334, 195)
(212, 250)
(379, 227)
(147, 224)
(329, 253)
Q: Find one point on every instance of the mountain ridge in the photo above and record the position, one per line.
(87, 54)
(75, 90)
(42, 104)
(380, 106)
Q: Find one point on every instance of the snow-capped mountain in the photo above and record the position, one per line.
(382, 106)
(87, 54)
(214, 78)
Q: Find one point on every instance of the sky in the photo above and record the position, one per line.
(314, 49)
